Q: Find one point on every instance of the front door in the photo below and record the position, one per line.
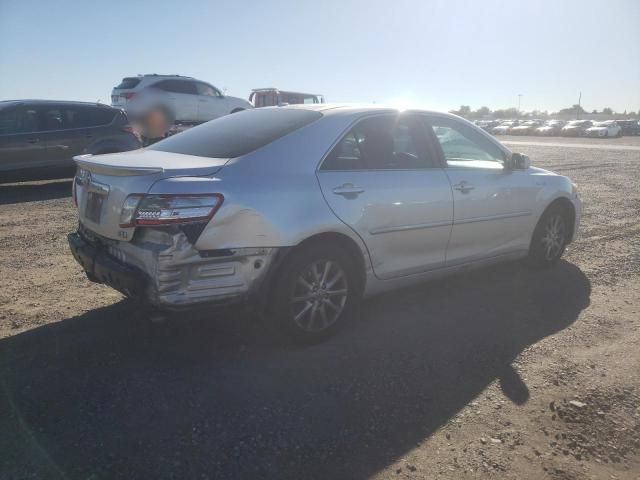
(380, 180)
(211, 103)
(492, 205)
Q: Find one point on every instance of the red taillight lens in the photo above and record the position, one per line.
(158, 210)
(128, 95)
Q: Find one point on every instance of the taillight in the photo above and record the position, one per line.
(128, 95)
(157, 210)
(74, 195)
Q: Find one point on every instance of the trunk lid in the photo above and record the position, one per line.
(103, 183)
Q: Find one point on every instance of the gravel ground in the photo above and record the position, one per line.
(499, 373)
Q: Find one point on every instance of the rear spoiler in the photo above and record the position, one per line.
(86, 162)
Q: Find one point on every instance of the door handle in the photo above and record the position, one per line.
(33, 140)
(63, 147)
(348, 189)
(463, 187)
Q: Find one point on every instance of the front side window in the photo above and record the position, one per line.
(207, 90)
(18, 120)
(462, 145)
(389, 142)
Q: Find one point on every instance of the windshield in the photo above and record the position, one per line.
(238, 134)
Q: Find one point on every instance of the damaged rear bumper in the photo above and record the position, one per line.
(164, 269)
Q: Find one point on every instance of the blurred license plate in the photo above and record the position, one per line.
(93, 208)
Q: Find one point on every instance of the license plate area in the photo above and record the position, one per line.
(93, 207)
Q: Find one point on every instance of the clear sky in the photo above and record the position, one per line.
(439, 54)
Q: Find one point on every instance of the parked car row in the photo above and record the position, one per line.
(573, 128)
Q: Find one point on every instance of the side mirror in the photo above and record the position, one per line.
(518, 161)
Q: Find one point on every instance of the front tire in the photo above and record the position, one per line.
(316, 293)
(550, 238)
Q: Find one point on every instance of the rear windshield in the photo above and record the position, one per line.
(237, 134)
(130, 82)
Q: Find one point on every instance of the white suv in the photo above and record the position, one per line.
(180, 99)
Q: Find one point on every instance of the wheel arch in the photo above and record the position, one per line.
(335, 239)
(566, 205)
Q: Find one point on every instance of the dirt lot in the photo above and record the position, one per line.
(501, 373)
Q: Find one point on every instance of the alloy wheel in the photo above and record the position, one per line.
(553, 239)
(319, 295)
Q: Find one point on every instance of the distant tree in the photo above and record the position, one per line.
(574, 110)
(483, 111)
(506, 113)
(607, 111)
(463, 111)
(594, 111)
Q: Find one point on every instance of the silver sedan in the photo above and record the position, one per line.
(304, 210)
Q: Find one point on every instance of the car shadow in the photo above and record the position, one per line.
(105, 395)
(34, 191)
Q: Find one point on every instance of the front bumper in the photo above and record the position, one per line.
(163, 269)
(577, 205)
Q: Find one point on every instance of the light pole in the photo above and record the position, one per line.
(519, 97)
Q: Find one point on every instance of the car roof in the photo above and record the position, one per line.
(36, 102)
(278, 90)
(356, 109)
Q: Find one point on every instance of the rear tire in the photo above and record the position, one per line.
(550, 238)
(316, 292)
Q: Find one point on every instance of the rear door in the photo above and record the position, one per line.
(20, 144)
(182, 96)
(493, 206)
(380, 180)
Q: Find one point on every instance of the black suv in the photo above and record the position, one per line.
(629, 127)
(38, 138)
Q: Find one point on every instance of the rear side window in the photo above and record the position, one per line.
(237, 134)
(18, 120)
(129, 82)
(95, 117)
